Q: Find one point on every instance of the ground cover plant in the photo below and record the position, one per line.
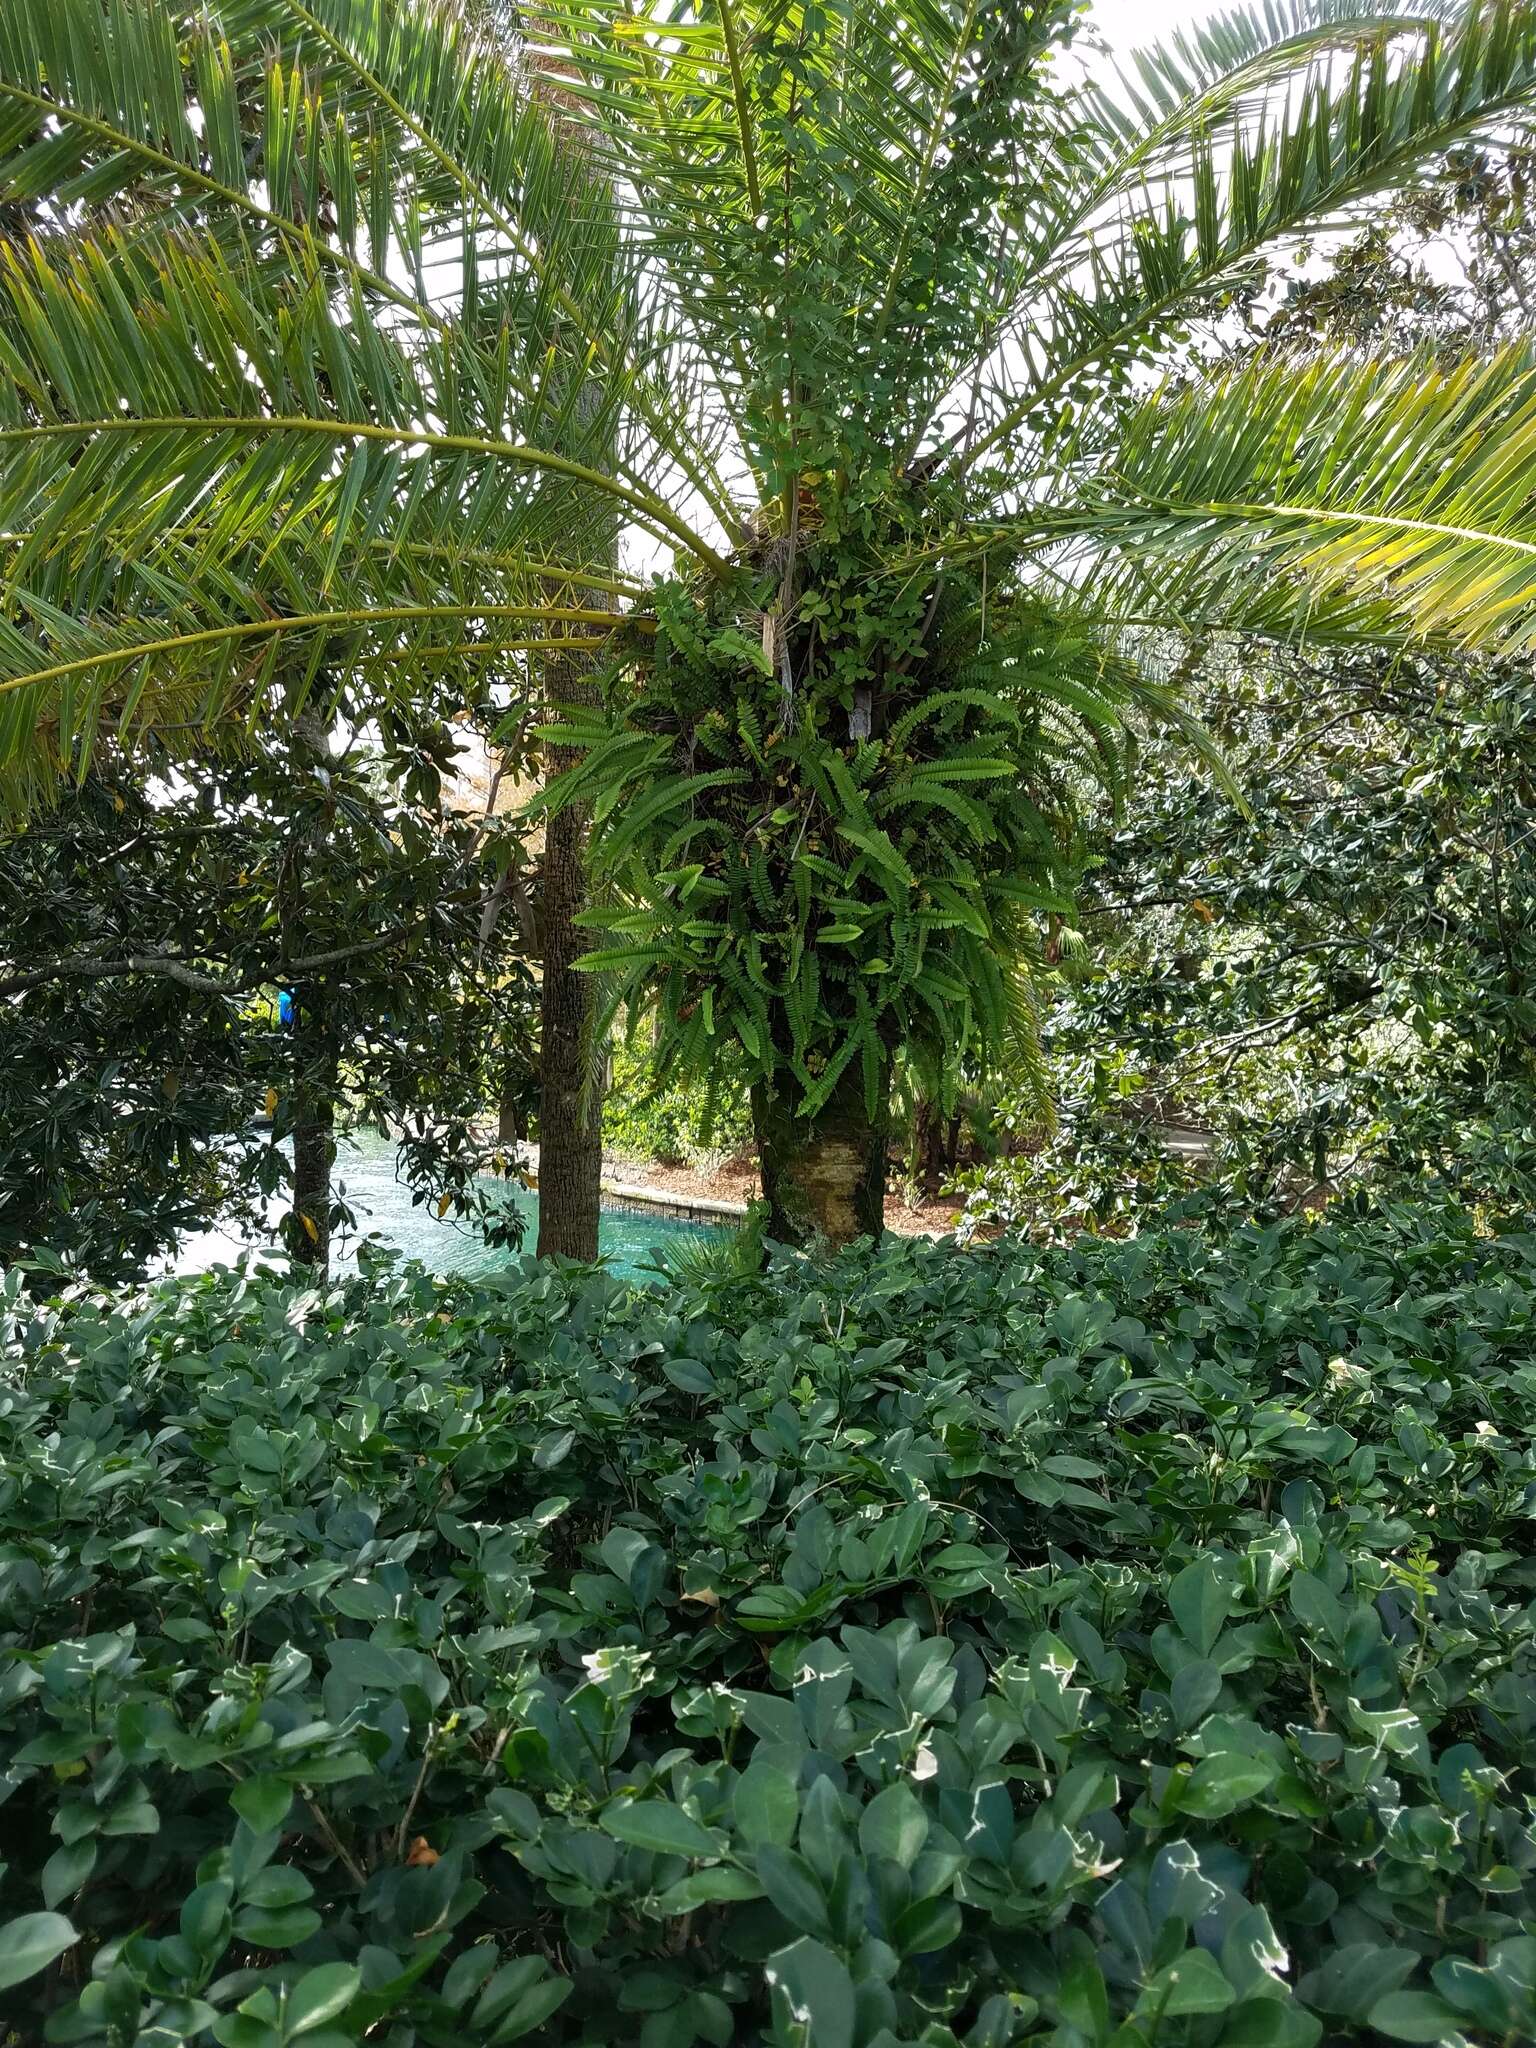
(1125, 1644)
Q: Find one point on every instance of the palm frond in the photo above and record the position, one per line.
(782, 159)
(1399, 497)
(134, 104)
(351, 336)
(1340, 499)
(1200, 176)
(243, 441)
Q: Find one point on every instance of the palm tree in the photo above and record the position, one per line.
(883, 351)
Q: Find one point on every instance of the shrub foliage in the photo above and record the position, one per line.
(646, 1116)
(1122, 1645)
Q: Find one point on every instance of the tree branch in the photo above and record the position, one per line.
(82, 967)
(1305, 1017)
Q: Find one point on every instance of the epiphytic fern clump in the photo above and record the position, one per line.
(837, 803)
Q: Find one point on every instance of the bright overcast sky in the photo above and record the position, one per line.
(1124, 24)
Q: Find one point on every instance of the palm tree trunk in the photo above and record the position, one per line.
(570, 1090)
(824, 1176)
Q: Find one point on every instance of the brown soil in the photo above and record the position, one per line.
(735, 1180)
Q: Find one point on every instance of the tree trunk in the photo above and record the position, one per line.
(931, 1164)
(314, 1154)
(509, 1120)
(314, 1062)
(570, 1087)
(824, 1177)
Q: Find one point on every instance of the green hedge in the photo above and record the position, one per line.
(1130, 1645)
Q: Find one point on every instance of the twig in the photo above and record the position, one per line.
(354, 1868)
(84, 967)
(410, 1807)
(1319, 1705)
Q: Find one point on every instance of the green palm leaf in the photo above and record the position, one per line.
(1264, 143)
(1387, 494)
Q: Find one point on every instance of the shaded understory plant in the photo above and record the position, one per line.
(1129, 1644)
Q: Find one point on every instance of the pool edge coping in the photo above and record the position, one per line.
(645, 1196)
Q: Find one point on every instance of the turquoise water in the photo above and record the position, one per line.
(365, 1173)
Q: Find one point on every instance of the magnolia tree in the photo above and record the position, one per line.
(873, 321)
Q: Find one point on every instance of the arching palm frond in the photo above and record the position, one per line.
(255, 355)
(329, 275)
(1378, 497)
(1196, 183)
(1340, 499)
(204, 459)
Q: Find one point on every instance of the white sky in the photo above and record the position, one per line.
(1125, 23)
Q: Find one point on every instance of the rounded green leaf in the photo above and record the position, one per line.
(533, 2009)
(283, 1929)
(67, 1869)
(262, 1802)
(1416, 2016)
(30, 1944)
(661, 1827)
(320, 1995)
(1193, 1984)
(814, 1989)
(765, 1805)
(894, 1825)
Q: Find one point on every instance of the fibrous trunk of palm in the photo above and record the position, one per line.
(824, 1175)
(570, 1083)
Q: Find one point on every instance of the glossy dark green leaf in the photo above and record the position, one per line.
(1416, 2016)
(320, 1995)
(1199, 1600)
(1192, 1984)
(766, 1805)
(262, 1802)
(658, 1825)
(791, 1886)
(813, 1990)
(30, 1943)
(894, 1824)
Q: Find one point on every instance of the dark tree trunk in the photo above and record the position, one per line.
(570, 1088)
(314, 1051)
(824, 1177)
(314, 1149)
(933, 1162)
(509, 1120)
